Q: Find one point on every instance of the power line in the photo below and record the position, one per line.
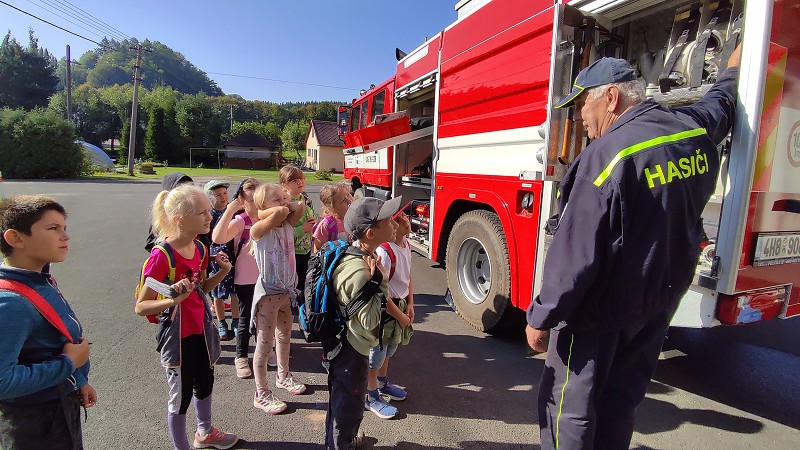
(42, 7)
(282, 81)
(52, 24)
(97, 29)
(105, 24)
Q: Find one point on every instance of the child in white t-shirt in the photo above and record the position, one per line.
(275, 291)
(395, 257)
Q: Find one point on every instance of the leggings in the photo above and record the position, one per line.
(245, 294)
(273, 319)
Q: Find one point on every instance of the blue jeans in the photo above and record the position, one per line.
(378, 356)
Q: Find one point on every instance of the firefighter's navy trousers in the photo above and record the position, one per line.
(592, 384)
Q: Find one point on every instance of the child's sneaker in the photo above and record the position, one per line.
(289, 384)
(242, 367)
(215, 439)
(223, 331)
(272, 359)
(393, 392)
(268, 402)
(379, 407)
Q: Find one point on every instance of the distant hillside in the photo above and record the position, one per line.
(113, 63)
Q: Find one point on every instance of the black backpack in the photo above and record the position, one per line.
(321, 317)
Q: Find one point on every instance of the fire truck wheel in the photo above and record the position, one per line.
(478, 272)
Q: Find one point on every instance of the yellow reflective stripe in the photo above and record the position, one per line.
(644, 146)
(564, 388)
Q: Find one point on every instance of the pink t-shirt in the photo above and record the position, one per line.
(192, 309)
(246, 270)
(323, 231)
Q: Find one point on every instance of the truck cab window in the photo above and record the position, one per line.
(354, 118)
(377, 104)
(363, 115)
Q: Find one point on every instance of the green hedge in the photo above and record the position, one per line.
(39, 144)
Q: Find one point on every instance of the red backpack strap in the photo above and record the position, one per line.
(392, 258)
(39, 303)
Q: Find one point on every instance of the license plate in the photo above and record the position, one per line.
(782, 248)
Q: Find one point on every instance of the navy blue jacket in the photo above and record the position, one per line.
(628, 237)
(31, 361)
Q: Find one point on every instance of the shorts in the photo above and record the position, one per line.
(378, 356)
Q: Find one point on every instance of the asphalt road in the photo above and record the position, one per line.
(721, 388)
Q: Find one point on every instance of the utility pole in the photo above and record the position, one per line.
(134, 124)
(69, 86)
(231, 117)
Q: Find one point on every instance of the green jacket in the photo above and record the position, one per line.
(350, 275)
(392, 333)
(302, 240)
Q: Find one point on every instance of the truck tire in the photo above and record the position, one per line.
(478, 272)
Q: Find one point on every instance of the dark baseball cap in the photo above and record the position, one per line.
(601, 72)
(366, 212)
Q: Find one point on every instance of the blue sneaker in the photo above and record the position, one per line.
(393, 392)
(223, 331)
(379, 407)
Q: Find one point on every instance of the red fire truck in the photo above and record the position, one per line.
(466, 128)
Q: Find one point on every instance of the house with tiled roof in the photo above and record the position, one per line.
(324, 147)
(250, 151)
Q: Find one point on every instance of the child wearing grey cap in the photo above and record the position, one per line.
(369, 222)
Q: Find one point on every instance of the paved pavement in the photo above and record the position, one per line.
(721, 388)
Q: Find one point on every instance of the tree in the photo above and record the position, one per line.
(27, 76)
(269, 131)
(294, 137)
(200, 123)
(157, 143)
(39, 144)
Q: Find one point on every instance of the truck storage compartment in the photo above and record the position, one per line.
(679, 49)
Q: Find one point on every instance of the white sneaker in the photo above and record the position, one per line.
(272, 359)
(267, 402)
(290, 385)
(242, 367)
(379, 407)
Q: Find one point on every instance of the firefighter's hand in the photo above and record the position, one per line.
(736, 57)
(537, 339)
(88, 396)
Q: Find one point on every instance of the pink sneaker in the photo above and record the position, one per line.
(215, 439)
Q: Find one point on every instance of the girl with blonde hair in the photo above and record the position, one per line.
(275, 292)
(189, 343)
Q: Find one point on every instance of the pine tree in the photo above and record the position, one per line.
(157, 145)
(27, 76)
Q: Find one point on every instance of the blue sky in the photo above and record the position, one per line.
(342, 43)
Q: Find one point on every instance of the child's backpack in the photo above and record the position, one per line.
(321, 317)
(248, 223)
(392, 258)
(167, 250)
(39, 303)
(333, 228)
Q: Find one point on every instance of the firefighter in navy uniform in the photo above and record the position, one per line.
(624, 251)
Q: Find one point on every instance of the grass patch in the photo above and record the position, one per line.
(233, 175)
